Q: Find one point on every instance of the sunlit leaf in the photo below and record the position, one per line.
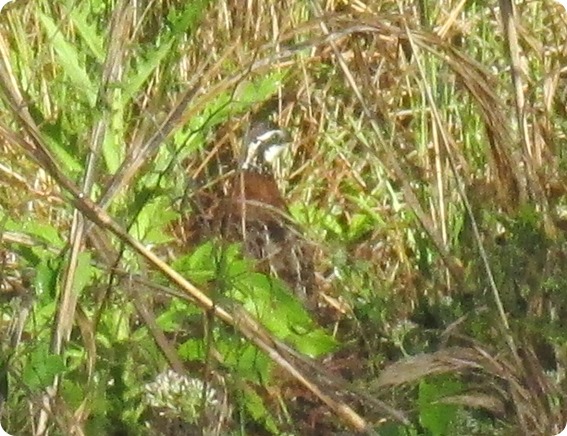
(434, 415)
(41, 368)
(70, 59)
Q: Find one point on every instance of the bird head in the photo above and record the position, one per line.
(263, 144)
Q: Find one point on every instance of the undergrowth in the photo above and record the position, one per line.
(426, 171)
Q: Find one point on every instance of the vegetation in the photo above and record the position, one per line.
(427, 170)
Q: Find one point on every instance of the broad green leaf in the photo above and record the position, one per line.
(434, 415)
(193, 349)
(359, 225)
(257, 409)
(73, 393)
(177, 314)
(43, 231)
(41, 367)
(151, 222)
(200, 259)
(315, 343)
(45, 279)
(253, 364)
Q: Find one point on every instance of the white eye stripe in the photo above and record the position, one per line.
(269, 135)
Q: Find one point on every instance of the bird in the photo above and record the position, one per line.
(258, 216)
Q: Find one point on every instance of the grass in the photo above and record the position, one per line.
(427, 172)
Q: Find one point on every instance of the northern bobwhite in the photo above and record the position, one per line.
(257, 214)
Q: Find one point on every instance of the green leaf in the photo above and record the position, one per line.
(83, 272)
(177, 313)
(227, 104)
(360, 225)
(79, 13)
(41, 368)
(255, 406)
(145, 69)
(187, 20)
(45, 279)
(151, 222)
(115, 327)
(56, 135)
(192, 349)
(42, 230)
(251, 363)
(112, 149)
(274, 305)
(434, 415)
(260, 89)
(315, 343)
(201, 258)
(331, 224)
(73, 393)
(244, 359)
(198, 266)
(70, 61)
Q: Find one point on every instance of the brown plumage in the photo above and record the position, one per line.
(256, 214)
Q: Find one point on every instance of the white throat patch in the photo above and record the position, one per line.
(273, 152)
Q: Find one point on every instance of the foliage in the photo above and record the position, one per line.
(436, 213)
